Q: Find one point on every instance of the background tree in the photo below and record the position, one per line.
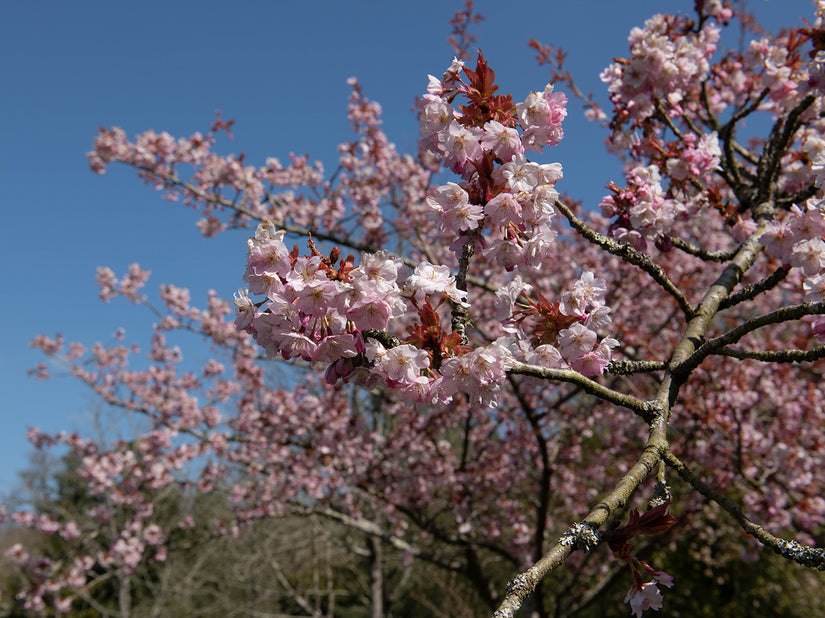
(293, 564)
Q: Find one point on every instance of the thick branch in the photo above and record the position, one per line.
(707, 309)
(524, 584)
(605, 511)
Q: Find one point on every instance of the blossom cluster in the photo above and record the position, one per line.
(770, 62)
(43, 568)
(322, 314)
(797, 240)
(662, 65)
(188, 170)
(463, 144)
(641, 209)
(645, 210)
(481, 141)
(563, 334)
(514, 198)
(325, 311)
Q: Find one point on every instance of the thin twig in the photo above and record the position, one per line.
(702, 254)
(629, 255)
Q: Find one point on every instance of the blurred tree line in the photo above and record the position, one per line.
(308, 565)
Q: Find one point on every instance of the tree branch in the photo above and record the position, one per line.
(645, 409)
(629, 255)
(605, 511)
(785, 314)
(749, 292)
(707, 256)
(811, 557)
(777, 356)
(627, 367)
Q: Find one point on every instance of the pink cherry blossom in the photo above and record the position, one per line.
(244, 309)
(503, 209)
(576, 341)
(446, 197)
(646, 597)
(502, 141)
(403, 363)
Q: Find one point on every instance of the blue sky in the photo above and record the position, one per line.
(279, 69)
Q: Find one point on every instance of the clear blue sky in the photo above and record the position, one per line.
(279, 69)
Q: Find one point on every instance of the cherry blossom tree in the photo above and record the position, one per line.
(476, 371)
